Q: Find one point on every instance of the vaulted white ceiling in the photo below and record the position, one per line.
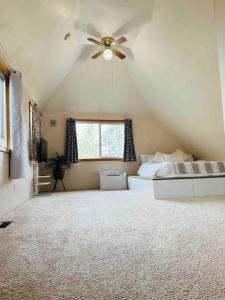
(32, 32)
(171, 71)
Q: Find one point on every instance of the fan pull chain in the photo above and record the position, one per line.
(112, 82)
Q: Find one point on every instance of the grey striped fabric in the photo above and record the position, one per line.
(208, 167)
(199, 167)
(195, 168)
(221, 166)
(181, 168)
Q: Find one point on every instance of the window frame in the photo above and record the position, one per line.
(99, 122)
(4, 70)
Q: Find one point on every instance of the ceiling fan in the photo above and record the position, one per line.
(108, 43)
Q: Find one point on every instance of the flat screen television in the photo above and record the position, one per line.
(42, 151)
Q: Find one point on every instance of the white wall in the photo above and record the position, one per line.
(14, 192)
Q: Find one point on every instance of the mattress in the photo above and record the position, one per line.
(182, 170)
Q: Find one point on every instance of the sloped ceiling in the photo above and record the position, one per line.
(180, 78)
(171, 71)
(32, 32)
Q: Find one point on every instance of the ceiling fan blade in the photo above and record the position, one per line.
(98, 54)
(118, 53)
(95, 41)
(87, 51)
(128, 52)
(119, 41)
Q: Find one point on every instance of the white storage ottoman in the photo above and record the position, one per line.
(113, 180)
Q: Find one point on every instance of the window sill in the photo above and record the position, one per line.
(4, 149)
(101, 159)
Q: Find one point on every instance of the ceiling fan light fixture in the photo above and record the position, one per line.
(108, 50)
(107, 54)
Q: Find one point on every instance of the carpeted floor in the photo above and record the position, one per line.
(113, 245)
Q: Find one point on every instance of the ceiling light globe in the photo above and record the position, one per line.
(107, 54)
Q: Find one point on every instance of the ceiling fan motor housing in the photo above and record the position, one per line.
(107, 41)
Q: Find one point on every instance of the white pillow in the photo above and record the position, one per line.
(187, 157)
(178, 156)
(146, 158)
(174, 158)
(158, 158)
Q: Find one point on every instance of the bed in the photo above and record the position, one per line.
(180, 179)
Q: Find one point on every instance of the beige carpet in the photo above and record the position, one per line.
(113, 245)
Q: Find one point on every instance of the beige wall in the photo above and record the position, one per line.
(14, 192)
(219, 10)
(149, 136)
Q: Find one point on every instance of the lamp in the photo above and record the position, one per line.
(107, 54)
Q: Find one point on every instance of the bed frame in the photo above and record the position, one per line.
(162, 188)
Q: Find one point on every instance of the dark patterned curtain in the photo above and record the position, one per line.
(71, 151)
(129, 151)
(35, 130)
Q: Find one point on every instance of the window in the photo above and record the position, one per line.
(100, 140)
(3, 113)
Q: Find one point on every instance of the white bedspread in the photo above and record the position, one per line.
(186, 169)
